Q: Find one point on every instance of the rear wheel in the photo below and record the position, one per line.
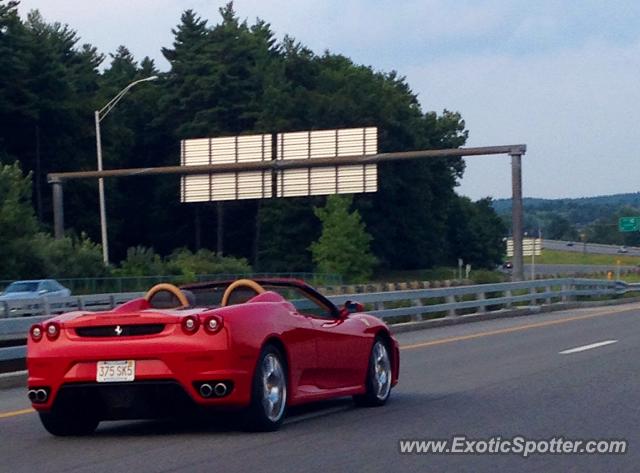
(66, 423)
(378, 382)
(269, 392)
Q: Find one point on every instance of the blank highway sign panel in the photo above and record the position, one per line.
(292, 182)
(226, 186)
(328, 144)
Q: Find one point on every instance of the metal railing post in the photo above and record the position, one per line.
(416, 303)
(451, 299)
(509, 294)
(481, 309)
(533, 291)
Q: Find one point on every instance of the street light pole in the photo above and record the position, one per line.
(99, 115)
(103, 212)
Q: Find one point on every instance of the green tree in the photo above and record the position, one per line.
(17, 101)
(69, 257)
(475, 233)
(133, 136)
(141, 261)
(287, 227)
(220, 81)
(185, 263)
(413, 198)
(18, 225)
(226, 78)
(62, 76)
(344, 245)
(26, 253)
(559, 228)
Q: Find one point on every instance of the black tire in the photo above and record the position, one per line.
(66, 424)
(377, 391)
(259, 417)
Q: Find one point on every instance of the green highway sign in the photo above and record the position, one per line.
(629, 224)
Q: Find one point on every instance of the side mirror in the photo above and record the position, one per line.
(42, 291)
(352, 307)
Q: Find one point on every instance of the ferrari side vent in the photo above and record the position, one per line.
(119, 330)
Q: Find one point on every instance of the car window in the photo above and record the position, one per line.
(208, 296)
(302, 301)
(22, 287)
(55, 286)
(52, 286)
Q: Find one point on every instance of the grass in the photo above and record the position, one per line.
(630, 277)
(571, 257)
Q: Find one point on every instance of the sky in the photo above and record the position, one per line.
(563, 77)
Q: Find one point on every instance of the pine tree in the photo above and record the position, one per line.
(344, 246)
(17, 101)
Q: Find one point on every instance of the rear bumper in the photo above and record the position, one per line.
(72, 367)
(148, 373)
(125, 401)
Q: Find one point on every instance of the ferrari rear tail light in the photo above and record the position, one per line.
(53, 330)
(213, 324)
(36, 332)
(190, 324)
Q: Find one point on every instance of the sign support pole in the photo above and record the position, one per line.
(517, 215)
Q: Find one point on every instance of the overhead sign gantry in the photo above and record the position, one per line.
(292, 164)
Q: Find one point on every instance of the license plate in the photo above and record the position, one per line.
(115, 371)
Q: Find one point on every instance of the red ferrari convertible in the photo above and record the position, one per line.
(257, 345)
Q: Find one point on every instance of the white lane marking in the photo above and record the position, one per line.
(587, 347)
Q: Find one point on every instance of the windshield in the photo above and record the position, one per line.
(22, 287)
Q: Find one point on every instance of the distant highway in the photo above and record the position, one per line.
(595, 248)
(566, 374)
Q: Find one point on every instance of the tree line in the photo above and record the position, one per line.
(225, 79)
(589, 219)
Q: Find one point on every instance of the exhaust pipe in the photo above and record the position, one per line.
(32, 395)
(206, 390)
(220, 389)
(41, 395)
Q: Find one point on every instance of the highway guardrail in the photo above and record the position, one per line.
(393, 306)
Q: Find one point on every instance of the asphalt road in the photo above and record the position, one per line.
(596, 248)
(502, 377)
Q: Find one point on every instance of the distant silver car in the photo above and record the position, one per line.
(33, 289)
(623, 249)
